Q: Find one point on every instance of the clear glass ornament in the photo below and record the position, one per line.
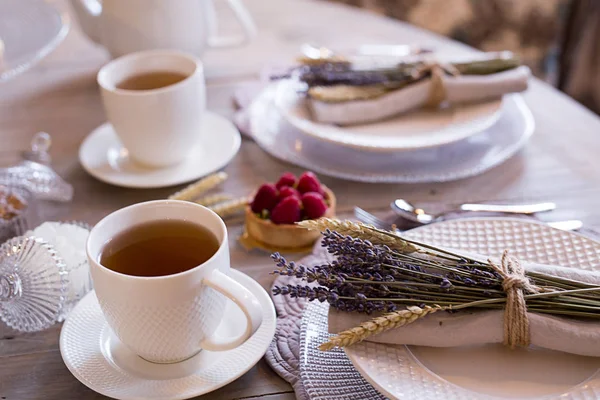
(36, 174)
(43, 275)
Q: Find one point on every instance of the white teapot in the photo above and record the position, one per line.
(126, 26)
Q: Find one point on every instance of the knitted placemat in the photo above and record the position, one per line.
(283, 355)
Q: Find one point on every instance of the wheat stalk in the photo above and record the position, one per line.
(377, 325)
(231, 207)
(360, 231)
(212, 199)
(196, 189)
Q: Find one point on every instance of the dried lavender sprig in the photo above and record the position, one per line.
(369, 277)
(339, 268)
(344, 283)
(327, 74)
(416, 246)
(350, 250)
(343, 72)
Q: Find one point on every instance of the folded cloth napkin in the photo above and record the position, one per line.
(468, 327)
(457, 89)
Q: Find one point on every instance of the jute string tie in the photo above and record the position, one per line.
(515, 284)
(437, 70)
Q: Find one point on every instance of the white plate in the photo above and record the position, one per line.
(97, 359)
(415, 130)
(103, 156)
(462, 159)
(491, 371)
(29, 30)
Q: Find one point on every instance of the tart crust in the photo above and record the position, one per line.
(285, 236)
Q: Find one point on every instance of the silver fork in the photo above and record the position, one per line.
(368, 218)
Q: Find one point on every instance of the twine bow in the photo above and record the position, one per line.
(515, 284)
(437, 70)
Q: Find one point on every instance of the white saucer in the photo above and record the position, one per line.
(416, 130)
(100, 361)
(466, 158)
(103, 156)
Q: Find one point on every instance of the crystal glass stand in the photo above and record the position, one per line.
(43, 274)
(33, 284)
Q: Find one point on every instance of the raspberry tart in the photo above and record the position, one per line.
(276, 207)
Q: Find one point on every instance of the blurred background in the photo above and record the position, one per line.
(557, 39)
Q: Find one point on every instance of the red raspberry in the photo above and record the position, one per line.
(287, 179)
(309, 182)
(265, 198)
(314, 205)
(288, 191)
(287, 211)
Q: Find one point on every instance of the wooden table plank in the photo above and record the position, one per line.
(14, 343)
(43, 375)
(60, 96)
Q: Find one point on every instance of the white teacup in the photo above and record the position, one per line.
(158, 127)
(169, 318)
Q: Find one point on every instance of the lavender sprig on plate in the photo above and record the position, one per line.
(379, 271)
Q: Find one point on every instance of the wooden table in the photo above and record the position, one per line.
(60, 96)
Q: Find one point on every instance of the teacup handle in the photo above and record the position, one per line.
(245, 20)
(244, 299)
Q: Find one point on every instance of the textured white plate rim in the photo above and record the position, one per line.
(229, 139)
(356, 361)
(247, 363)
(498, 219)
(335, 134)
(47, 49)
(460, 388)
(294, 158)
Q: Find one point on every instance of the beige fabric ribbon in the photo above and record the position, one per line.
(437, 91)
(515, 284)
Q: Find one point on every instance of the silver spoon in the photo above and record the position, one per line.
(368, 218)
(406, 210)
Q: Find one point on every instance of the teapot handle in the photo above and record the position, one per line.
(87, 12)
(246, 22)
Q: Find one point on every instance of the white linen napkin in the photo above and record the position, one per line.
(459, 89)
(469, 327)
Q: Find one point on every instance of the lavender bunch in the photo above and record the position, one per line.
(329, 73)
(379, 271)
